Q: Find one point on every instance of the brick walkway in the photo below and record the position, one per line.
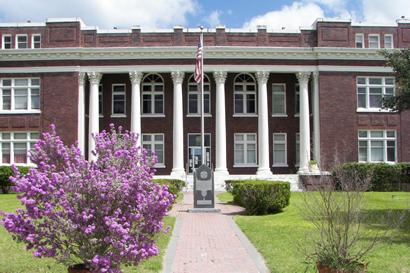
(210, 243)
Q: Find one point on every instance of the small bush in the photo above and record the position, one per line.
(5, 173)
(384, 177)
(174, 185)
(261, 196)
(229, 184)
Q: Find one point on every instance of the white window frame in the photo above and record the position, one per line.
(356, 40)
(124, 93)
(3, 42)
(280, 164)
(297, 99)
(391, 37)
(245, 142)
(17, 46)
(29, 144)
(29, 110)
(152, 94)
(152, 143)
(33, 42)
(367, 85)
(378, 40)
(297, 149)
(384, 138)
(191, 82)
(284, 114)
(244, 92)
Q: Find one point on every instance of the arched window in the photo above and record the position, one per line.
(194, 96)
(153, 94)
(244, 94)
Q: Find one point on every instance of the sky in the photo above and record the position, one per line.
(247, 14)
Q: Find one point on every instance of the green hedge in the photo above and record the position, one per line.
(5, 173)
(174, 185)
(384, 177)
(261, 196)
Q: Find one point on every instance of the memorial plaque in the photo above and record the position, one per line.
(204, 196)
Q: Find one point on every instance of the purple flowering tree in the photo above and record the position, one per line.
(99, 214)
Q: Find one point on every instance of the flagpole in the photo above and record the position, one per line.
(202, 99)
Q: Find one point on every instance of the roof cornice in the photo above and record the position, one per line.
(185, 52)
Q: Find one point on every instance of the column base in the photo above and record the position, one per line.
(304, 170)
(220, 175)
(221, 172)
(178, 173)
(264, 173)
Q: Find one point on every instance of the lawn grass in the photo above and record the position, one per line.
(15, 259)
(280, 237)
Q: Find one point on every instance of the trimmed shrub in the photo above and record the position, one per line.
(5, 173)
(384, 177)
(260, 197)
(174, 185)
(229, 184)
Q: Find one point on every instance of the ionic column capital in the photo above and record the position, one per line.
(177, 77)
(220, 76)
(81, 78)
(262, 77)
(94, 77)
(303, 77)
(135, 77)
(315, 75)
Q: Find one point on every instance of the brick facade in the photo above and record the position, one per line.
(339, 118)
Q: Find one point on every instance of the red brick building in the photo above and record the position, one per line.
(273, 100)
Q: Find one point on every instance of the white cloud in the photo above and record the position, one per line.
(102, 13)
(213, 18)
(291, 17)
(385, 12)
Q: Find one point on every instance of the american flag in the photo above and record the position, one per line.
(198, 64)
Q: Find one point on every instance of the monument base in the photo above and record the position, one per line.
(206, 210)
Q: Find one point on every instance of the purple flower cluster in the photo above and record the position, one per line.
(100, 213)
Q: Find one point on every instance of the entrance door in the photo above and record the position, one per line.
(195, 153)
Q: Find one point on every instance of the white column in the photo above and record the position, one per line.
(304, 124)
(94, 118)
(135, 78)
(220, 164)
(178, 169)
(316, 119)
(263, 125)
(81, 113)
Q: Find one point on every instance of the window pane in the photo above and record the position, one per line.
(251, 153)
(376, 133)
(361, 100)
(389, 81)
(391, 150)
(238, 87)
(251, 137)
(206, 104)
(159, 151)
(239, 137)
(20, 99)
(239, 154)
(146, 104)
(20, 152)
(362, 133)
(192, 87)
(35, 98)
(158, 88)
(5, 148)
(146, 88)
(21, 82)
(146, 137)
(250, 87)
(376, 150)
(20, 136)
(250, 104)
(193, 104)
(6, 82)
(361, 80)
(375, 80)
(362, 150)
(278, 104)
(159, 105)
(119, 88)
(6, 99)
(391, 134)
(239, 103)
(206, 87)
(35, 135)
(279, 157)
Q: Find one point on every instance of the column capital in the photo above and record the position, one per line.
(315, 74)
(220, 76)
(94, 77)
(135, 77)
(303, 77)
(81, 78)
(177, 76)
(262, 77)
